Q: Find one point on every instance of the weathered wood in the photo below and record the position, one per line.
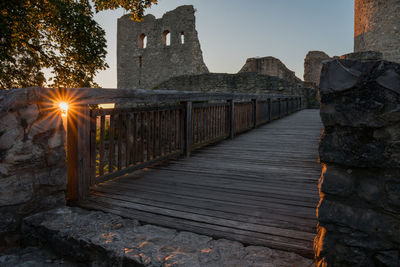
(135, 141)
(232, 118)
(72, 158)
(119, 144)
(128, 143)
(111, 148)
(83, 150)
(93, 148)
(102, 144)
(241, 187)
(188, 128)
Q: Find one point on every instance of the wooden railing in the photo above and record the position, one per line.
(106, 143)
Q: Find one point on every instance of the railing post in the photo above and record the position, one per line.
(269, 101)
(231, 118)
(187, 136)
(254, 102)
(78, 153)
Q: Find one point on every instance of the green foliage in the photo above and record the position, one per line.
(60, 35)
(135, 6)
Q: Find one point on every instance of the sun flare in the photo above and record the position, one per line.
(64, 108)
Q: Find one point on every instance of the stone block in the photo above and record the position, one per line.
(10, 137)
(337, 181)
(353, 217)
(363, 94)
(8, 121)
(29, 114)
(15, 190)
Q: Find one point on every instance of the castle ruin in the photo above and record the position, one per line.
(377, 27)
(269, 66)
(154, 50)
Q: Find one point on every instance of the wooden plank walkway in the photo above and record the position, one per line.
(260, 188)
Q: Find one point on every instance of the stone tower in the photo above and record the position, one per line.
(154, 50)
(377, 27)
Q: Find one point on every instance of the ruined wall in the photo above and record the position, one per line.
(223, 82)
(377, 27)
(245, 82)
(269, 66)
(144, 65)
(33, 172)
(313, 67)
(359, 209)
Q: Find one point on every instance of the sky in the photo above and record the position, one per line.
(230, 31)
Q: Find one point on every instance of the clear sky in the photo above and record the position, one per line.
(230, 31)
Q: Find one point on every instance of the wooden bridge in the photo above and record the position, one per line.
(254, 180)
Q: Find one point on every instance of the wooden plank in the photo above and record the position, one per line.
(102, 144)
(188, 128)
(128, 135)
(83, 151)
(232, 118)
(202, 228)
(120, 133)
(93, 147)
(148, 130)
(239, 211)
(276, 233)
(135, 140)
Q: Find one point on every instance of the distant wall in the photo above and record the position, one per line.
(245, 82)
(33, 172)
(313, 67)
(359, 208)
(270, 66)
(144, 56)
(377, 27)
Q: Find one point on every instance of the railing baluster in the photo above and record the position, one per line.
(188, 128)
(128, 145)
(111, 149)
(119, 131)
(148, 130)
(101, 148)
(153, 125)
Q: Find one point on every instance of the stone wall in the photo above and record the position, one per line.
(245, 82)
(359, 209)
(144, 57)
(33, 172)
(270, 66)
(377, 27)
(313, 67)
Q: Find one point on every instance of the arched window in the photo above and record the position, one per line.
(166, 38)
(182, 37)
(143, 41)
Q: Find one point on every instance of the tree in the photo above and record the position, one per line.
(60, 35)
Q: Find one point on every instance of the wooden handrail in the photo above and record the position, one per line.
(106, 143)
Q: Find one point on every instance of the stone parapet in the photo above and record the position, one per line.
(359, 209)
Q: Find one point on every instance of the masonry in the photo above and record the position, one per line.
(269, 66)
(153, 50)
(359, 208)
(243, 82)
(377, 27)
(33, 174)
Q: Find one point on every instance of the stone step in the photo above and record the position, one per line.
(102, 239)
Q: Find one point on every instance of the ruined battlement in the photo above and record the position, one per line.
(154, 50)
